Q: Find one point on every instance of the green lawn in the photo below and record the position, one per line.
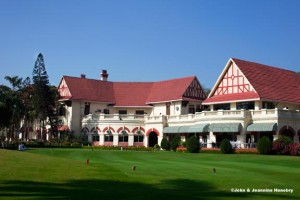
(64, 174)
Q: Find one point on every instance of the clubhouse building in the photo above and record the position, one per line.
(248, 101)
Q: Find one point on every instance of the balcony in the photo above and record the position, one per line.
(208, 116)
(96, 118)
(222, 115)
(275, 114)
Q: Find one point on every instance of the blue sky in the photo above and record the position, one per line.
(146, 40)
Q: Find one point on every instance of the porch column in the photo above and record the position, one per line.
(130, 140)
(241, 139)
(252, 138)
(200, 139)
(211, 138)
(116, 140)
(146, 138)
(159, 139)
(90, 138)
(101, 138)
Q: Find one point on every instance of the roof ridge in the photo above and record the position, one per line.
(263, 65)
(173, 79)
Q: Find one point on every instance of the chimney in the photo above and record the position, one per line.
(103, 75)
(82, 76)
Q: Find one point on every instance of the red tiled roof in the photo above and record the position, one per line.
(169, 90)
(232, 97)
(270, 83)
(89, 89)
(127, 93)
(131, 93)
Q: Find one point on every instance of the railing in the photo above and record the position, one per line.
(203, 116)
(112, 117)
(221, 114)
(155, 119)
(188, 117)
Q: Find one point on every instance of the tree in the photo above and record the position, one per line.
(226, 147)
(264, 146)
(175, 142)
(298, 73)
(13, 104)
(29, 113)
(193, 144)
(5, 106)
(165, 144)
(44, 96)
(206, 90)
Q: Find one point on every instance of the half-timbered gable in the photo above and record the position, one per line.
(233, 82)
(63, 89)
(194, 91)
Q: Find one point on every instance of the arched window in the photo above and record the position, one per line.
(85, 130)
(95, 138)
(138, 136)
(108, 137)
(123, 137)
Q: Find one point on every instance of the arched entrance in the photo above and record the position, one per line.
(152, 139)
(287, 131)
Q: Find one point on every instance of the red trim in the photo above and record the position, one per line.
(235, 81)
(122, 128)
(138, 128)
(108, 128)
(85, 128)
(108, 143)
(123, 144)
(97, 128)
(138, 144)
(96, 144)
(152, 130)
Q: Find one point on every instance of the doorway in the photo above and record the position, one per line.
(152, 139)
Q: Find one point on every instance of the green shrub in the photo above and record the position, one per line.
(226, 146)
(165, 144)
(264, 146)
(175, 142)
(193, 144)
(156, 147)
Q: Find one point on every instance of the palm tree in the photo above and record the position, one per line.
(17, 102)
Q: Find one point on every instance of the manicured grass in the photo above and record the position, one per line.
(64, 174)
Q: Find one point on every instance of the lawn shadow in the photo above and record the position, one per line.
(110, 189)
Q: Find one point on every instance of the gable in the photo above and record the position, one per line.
(63, 89)
(233, 82)
(87, 89)
(195, 91)
(169, 90)
(244, 81)
(271, 83)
